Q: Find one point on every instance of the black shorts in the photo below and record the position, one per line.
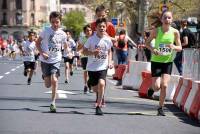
(37, 56)
(78, 57)
(95, 76)
(29, 65)
(67, 59)
(84, 62)
(157, 69)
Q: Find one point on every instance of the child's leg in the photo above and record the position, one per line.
(47, 81)
(54, 86)
(67, 71)
(101, 88)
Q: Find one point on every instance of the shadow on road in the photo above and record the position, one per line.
(181, 115)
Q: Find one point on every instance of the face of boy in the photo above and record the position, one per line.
(88, 32)
(55, 23)
(32, 37)
(101, 14)
(101, 28)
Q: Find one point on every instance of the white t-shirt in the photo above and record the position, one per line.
(100, 62)
(70, 52)
(82, 41)
(52, 43)
(29, 49)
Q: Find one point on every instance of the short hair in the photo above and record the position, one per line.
(100, 8)
(68, 31)
(101, 20)
(31, 32)
(86, 26)
(122, 32)
(55, 14)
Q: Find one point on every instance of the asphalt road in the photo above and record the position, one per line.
(24, 109)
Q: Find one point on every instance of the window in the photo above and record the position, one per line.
(19, 18)
(4, 21)
(4, 4)
(32, 4)
(32, 19)
(18, 4)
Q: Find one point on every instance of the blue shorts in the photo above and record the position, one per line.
(50, 68)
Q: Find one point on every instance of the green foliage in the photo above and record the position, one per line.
(74, 21)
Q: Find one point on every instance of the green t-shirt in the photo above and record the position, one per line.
(163, 39)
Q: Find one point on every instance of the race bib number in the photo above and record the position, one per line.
(101, 56)
(53, 52)
(164, 50)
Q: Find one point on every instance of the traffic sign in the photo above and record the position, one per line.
(115, 21)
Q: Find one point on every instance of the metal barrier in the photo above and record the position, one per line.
(196, 65)
(191, 64)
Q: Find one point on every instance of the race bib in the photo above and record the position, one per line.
(53, 52)
(101, 56)
(164, 50)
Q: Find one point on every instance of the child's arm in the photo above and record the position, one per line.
(110, 62)
(38, 45)
(87, 52)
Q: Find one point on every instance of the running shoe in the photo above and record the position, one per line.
(29, 81)
(160, 112)
(53, 108)
(66, 81)
(98, 111)
(85, 89)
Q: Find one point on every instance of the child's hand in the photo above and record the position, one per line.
(45, 55)
(96, 52)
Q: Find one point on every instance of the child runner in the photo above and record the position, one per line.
(49, 46)
(28, 49)
(88, 32)
(98, 49)
(162, 56)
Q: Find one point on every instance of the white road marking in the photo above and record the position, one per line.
(18, 67)
(61, 92)
(7, 73)
(13, 69)
(1, 77)
(64, 96)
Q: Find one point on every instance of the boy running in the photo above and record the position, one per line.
(28, 49)
(49, 46)
(82, 40)
(98, 49)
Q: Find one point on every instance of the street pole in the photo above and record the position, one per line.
(142, 15)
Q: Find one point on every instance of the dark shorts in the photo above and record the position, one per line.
(95, 76)
(67, 59)
(12, 52)
(50, 68)
(2, 49)
(84, 62)
(37, 56)
(157, 69)
(29, 65)
(78, 57)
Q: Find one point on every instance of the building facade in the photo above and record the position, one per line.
(19, 16)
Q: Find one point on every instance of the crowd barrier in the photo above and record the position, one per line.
(173, 83)
(133, 79)
(184, 90)
(120, 70)
(192, 104)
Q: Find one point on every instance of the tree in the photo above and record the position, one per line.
(74, 21)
